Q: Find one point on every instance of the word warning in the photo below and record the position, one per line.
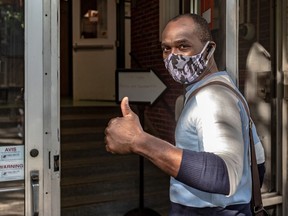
(11, 163)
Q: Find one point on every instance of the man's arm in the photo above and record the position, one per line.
(125, 135)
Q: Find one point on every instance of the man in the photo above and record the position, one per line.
(209, 166)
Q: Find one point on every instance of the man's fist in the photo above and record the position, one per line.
(122, 132)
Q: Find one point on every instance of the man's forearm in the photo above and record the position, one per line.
(170, 159)
(163, 154)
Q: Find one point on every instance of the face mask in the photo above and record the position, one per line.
(186, 69)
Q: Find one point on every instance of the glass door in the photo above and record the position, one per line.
(12, 108)
(29, 108)
(261, 79)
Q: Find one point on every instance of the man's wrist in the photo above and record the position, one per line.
(139, 143)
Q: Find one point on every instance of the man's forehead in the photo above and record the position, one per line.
(181, 25)
(183, 21)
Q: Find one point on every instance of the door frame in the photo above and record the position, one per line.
(42, 110)
(282, 75)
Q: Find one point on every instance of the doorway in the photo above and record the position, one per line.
(94, 50)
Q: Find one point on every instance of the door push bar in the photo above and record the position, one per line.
(77, 47)
(34, 175)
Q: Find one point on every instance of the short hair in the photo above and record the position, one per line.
(202, 30)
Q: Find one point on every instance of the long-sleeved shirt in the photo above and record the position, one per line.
(213, 131)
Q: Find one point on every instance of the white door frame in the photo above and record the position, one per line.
(232, 8)
(282, 75)
(42, 133)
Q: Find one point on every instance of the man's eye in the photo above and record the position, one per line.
(183, 47)
(165, 49)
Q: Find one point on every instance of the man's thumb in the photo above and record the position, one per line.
(125, 108)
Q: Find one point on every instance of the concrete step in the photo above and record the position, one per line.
(95, 182)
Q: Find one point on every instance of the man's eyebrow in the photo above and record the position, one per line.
(181, 41)
(177, 42)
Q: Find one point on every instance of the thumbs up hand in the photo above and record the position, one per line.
(121, 132)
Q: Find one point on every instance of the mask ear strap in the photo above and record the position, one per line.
(210, 51)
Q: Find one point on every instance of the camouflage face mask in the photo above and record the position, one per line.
(186, 69)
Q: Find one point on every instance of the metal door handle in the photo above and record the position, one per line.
(34, 174)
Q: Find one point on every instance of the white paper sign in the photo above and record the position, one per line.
(11, 163)
(139, 86)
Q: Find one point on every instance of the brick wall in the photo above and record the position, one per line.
(146, 48)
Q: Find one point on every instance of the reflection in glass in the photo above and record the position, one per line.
(256, 60)
(12, 107)
(93, 19)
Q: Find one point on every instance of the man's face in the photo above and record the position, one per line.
(179, 37)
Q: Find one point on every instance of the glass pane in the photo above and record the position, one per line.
(12, 107)
(93, 19)
(256, 60)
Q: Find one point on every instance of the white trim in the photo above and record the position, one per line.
(195, 6)
(42, 101)
(232, 10)
(51, 140)
(55, 106)
(33, 96)
(271, 199)
(284, 71)
(284, 157)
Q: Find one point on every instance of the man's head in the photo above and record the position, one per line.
(185, 34)
(188, 48)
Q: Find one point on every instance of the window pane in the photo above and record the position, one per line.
(12, 107)
(256, 60)
(93, 19)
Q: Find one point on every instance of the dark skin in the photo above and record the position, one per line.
(125, 135)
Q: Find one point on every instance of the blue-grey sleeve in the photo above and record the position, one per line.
(204, 171)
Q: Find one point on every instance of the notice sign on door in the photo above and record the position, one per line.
(11, 163)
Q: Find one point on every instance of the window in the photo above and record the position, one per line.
(93, 19)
